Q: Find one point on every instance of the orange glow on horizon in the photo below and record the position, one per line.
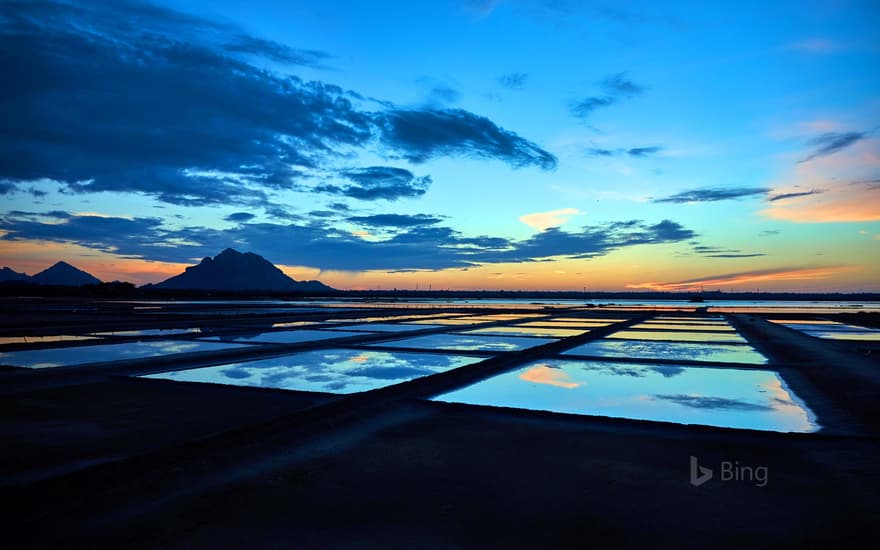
(743, 278)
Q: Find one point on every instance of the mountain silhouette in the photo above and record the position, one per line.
(64, 274)
(233, 271)
(7, 274)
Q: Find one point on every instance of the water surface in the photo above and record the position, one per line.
(331, 371)
(641, 349)
(466, 342)
(753, 399)
(62, 357)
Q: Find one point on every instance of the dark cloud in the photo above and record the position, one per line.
(422, 135)
(395, 220)
(7, 187)
(239, 217)
(633, 152)
(269, 49)
(793, 195)
(130, 97)
(514, 81)
(643, 151)
(423, 246)
(379, 182)
(619, 85)
(615, 87)
(584, 107)
(706, 402)
(832, 142)
(769, 232)
(712, 194)
(718, 252)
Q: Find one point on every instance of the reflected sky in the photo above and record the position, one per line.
(57, 357)
(591, 319)
(387, 327)
(675, 326)
(564, 324)
(836, 331)
(465, 342)
(529, 331)
(754, 399)
(451, 321)
(285, 336)
(715, 337)
(332, 371)
(43, 339)
(723, 353)
(149, 332)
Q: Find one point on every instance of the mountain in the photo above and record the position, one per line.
(234, 271)
(64, 274)
(7, 274)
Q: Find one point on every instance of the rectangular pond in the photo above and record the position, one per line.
(386, 327)
(467, 342)
(62, 357)
(283, 336)
(676, 351)
(44, 339)
(732, 398)
(329, 371)
(670, 335)
(529, 331)
(720, 327)
(149, 332)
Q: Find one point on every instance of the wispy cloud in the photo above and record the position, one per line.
(832, 142)
(395, 220)
(643, 151)
(378, 182)
(514, 81)
(637, 152)
(616, 87)
(792, 195)
(712, 194)
(743, 277)
(818, 46)
(544, 220)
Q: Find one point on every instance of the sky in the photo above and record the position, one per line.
(460, 144)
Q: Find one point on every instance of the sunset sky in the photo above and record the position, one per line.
(510, 144)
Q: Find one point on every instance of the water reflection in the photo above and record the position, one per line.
(835, 331)
(333, 371)
(43, 339)
(464, 342)
(386, 327)
(754, 399)
(149, 332)
(684, 327)
(719, 337)
(724, 353)
(285, 336)
(529, 331)
(57, 357)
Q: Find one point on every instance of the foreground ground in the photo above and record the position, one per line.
(100, 459)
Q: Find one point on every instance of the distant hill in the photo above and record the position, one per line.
(64, 274)
(233, 271)
(7, 274)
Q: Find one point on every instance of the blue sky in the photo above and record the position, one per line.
(509, 144)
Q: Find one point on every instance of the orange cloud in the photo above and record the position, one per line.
(852, 203)
(545, 374)
(779, 274)
(544, 220)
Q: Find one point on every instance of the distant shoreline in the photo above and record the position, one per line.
(128, 291)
